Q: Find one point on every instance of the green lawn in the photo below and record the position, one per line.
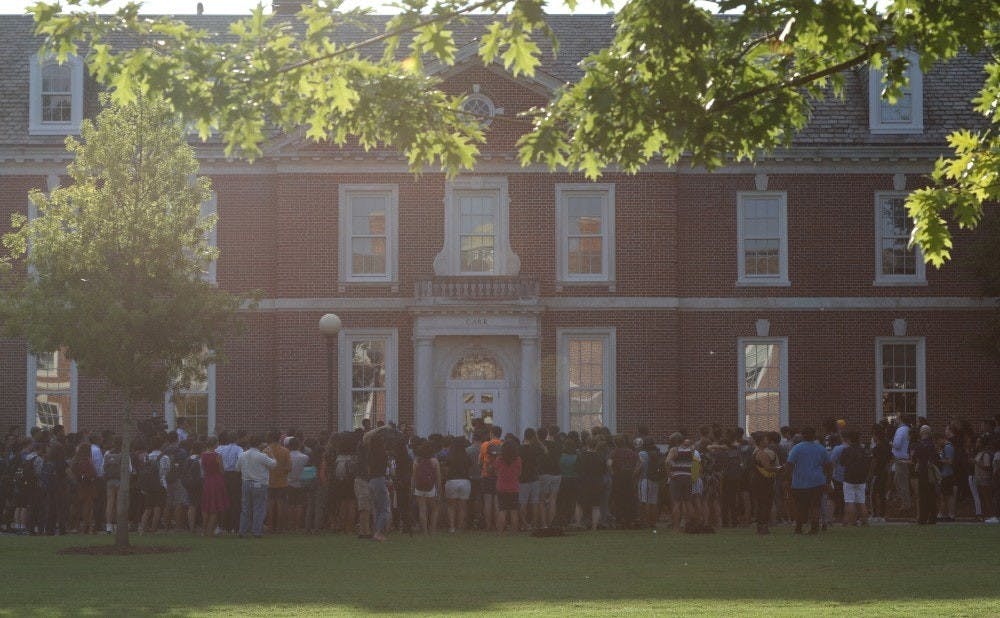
(891, 570)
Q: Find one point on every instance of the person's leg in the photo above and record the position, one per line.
(974, 490)
(463, 507)
(986, 495)
(815, 494)
(245, 508)
(110, 507)
(260, 506)
(422, 513)
(157, 514)
(489, 509)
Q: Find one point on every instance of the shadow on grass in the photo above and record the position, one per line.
(620, 571)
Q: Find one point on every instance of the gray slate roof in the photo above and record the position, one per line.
(948, 88)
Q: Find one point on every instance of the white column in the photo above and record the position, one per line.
(423, 386)
(528, 415)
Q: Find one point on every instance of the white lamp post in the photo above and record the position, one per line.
(329, 326)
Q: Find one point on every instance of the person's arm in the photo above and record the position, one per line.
(270, 462)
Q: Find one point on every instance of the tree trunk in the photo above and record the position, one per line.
(121, 530)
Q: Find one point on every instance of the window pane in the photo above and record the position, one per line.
(368, 215)
(56, 78)
(52, 409)
(477, 254)
(477, 367)
(367, 404)
(586, 408)
(194, 408)
(762, 386)
(57, 108)
(901, 111)
(369, 364)
(585, 256)
(761, 256)
(586, 363)
(585, 214)
(368, 256)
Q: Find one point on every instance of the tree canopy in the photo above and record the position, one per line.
(707, 81)
(111, 268)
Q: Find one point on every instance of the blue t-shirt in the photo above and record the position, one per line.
(949, 454)
(808, 458)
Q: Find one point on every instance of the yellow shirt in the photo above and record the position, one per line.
(279, 474)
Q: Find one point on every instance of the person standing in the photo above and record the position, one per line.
(255, 470)
(277, 486)
(508, 473)
(926, 459)
(810, 473)
(214, 500)
(762, 482)
(378, 465)
(457, 487)
(427, 487)
(296, 489)
(901, 463)
(85, 477)
(855, 463)
(229, 453)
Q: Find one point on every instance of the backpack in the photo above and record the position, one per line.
(855, 463)
(177, 465)
(24, 477)
(492, 452)
(728, 465)
(149, 475)
(423, 476)
(191, 476)
(654, 467)
(112, 466)
(345, 469)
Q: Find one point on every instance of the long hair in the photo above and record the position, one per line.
(508, 452)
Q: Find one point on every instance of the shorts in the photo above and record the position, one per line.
(548, 486)
(458, 489)
(489, 485)
(507, 500)
(680, 489)
(177, 495)
(363, 495)
(528, 493)
(854, 493)
(432, 493)
(649, 491)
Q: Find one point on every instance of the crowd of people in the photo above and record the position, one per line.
(375, 480)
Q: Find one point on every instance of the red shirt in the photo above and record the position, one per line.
(507, 475)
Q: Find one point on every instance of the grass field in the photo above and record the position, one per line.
(900, 570)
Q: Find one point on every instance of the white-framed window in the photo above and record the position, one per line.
(586, 378)
(900, 377)
(51, 391)
(585, 229)
(481, 106)
(195, 404)
(477, 238)
(55, 95)
(906, 115)
(896, 262)
(369, 235)
(762, 232)
(210, 207)
(763, 383)
(369, 376)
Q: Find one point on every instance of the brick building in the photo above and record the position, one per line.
(755, 295)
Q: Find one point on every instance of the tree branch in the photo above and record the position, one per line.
(385, 35)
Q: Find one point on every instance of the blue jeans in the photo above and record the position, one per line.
(380, 503)
(253, 507)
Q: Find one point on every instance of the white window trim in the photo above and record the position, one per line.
(208, 208)
(921, 372)
(344, 372)
(916, 86)
(563, 337)
(30, 419)
(170, 411)
(781, 279)
(35, 124)
(741, 371)
(607, 194)
(390, 191)
(448, 261)
(918, 278)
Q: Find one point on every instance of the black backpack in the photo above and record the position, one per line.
(24, 477)
(654, 468)
(191, 476)
(855, 463)
(149, 475)
(178, 462)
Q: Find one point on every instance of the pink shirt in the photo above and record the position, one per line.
(507, 475)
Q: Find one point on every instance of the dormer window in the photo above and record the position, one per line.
(906, 115)
(56, 96)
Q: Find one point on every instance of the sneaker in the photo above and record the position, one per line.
(992, 520)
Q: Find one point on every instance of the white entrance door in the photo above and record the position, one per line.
(472, 400)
